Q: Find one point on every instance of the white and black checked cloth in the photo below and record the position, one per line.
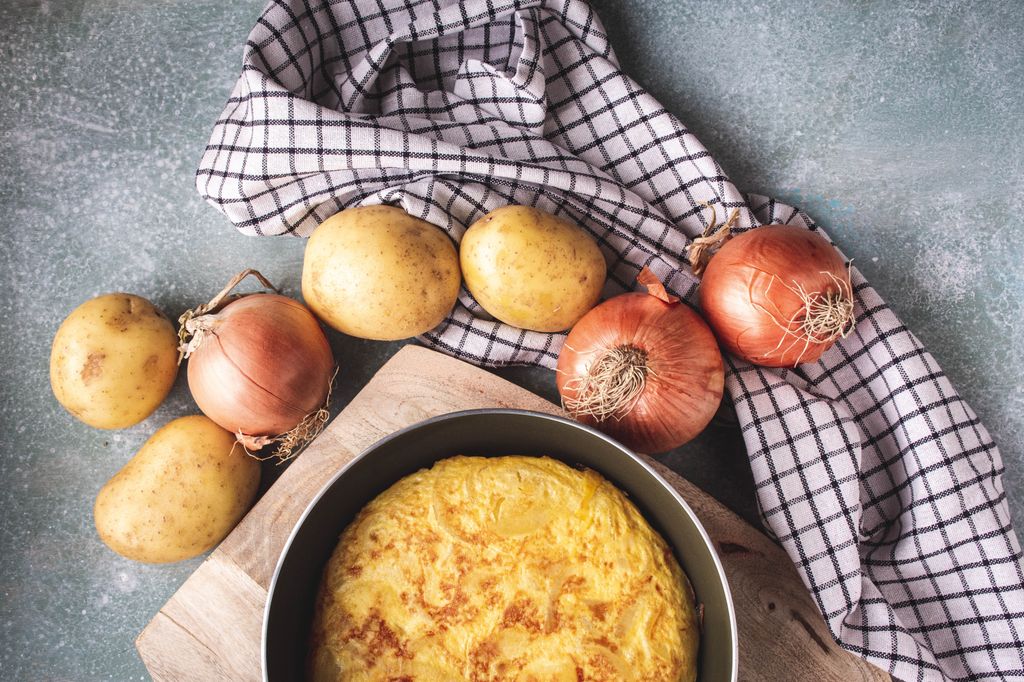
(879, 481)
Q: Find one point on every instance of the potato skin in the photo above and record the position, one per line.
(531, 269)
(377, 272)
(180, 495)
(113, 360)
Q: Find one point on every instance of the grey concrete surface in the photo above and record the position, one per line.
(897, 128)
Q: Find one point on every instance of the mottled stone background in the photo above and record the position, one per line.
(898, 129)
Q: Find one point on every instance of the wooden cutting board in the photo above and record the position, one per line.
(211, 628)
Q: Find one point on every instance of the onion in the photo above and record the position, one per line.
(776, 295)
(642, 367)
(260, 366)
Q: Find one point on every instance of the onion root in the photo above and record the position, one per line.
(824, 317)
(610, 386)
(291, 443)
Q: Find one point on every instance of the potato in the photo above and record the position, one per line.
(376, 272)
(113, 361)
(180, 494)
(531, 269)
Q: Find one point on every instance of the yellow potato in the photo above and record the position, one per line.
(376, 272)
(531, 269)
(180, 494)
(113, 360)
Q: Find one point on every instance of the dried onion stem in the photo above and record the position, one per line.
(699, 252)
(194, 324)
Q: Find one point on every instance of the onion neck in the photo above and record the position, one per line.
(193, 333)
(192, 325)
(700, 251)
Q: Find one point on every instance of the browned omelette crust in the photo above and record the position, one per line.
(505, 568)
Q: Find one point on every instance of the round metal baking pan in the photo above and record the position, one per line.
(293, 588)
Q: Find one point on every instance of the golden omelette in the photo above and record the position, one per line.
(504, 568)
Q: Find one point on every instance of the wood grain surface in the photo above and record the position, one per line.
(211, 628)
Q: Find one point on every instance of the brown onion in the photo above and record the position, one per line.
(777, 295)
(260, 366)
(643, 368)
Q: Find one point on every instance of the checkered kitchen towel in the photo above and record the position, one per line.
(875, 476)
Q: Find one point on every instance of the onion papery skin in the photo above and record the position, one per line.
(747, 291)
(684, 386)
(262, 367)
